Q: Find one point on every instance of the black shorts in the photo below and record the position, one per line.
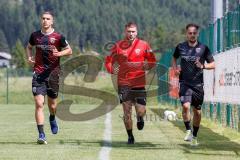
(192, 94)
(136, 95)
(45, 86)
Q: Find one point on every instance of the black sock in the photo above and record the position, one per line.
(187, 125)
(40, 128)
(140, 119)
(52, 117)
(195, 131)
(129, 132)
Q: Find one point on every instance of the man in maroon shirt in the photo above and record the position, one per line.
(133, 57)
(50, 46)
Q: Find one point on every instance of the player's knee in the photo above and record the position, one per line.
(186, 109)
(186, 106)
(197, 114)
(39, 106)
(141, 112)
(52, 105)
(127, 104)
(127, 118)
(127, 110)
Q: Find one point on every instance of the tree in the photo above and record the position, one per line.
(19, 56)
(163, 39)
(3, 43)
(97, 22)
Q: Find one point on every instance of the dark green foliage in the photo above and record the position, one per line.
(18, 56)
(93, 23)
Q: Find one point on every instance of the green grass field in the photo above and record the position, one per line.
(94, 139)
(19, 89)
(84, 140)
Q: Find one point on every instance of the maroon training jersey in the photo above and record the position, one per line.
(45, 61)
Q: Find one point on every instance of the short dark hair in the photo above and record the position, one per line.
(192, 25)
(47, 12)
(130, 24)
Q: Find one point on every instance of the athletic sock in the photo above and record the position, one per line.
(52, 117)
(40, 128)
(129, 132)
(140, 119)
(187, 125)
(195, 131)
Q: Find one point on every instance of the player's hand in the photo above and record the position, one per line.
(31, 60)
(144, 66)
(198, 64)
(177, 71)
(56, 53)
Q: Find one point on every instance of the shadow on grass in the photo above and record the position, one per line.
(209, 140)
(116, 144)
(17, 143)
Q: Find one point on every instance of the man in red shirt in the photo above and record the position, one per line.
(133, 57)
(50, 46)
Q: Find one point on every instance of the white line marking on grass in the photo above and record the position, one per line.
(107, 138)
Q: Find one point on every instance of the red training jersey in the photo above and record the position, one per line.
(130, 61)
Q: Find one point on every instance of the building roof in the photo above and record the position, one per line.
(5, 55)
